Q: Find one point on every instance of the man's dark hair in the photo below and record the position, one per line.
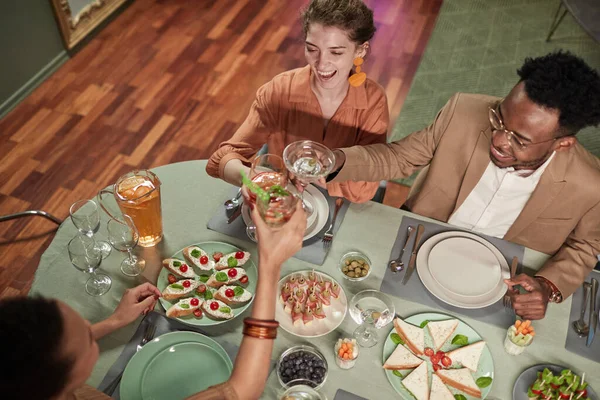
(352, 16)
(563, 81)
(31, 363)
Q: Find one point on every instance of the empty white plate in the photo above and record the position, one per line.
(454, 259)
(447, 296)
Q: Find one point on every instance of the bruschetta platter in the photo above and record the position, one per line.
(207, 283)
(435, 356)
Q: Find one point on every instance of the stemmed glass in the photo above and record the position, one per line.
(86, 218)
(308, 161)
(85, 256)
(124, 236)
(372, 310)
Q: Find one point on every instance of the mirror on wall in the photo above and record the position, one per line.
(77, 18)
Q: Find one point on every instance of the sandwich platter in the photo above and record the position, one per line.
(207, 283)
(471, 368)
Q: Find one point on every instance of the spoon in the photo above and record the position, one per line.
(233, 203)
(397, 265)
(580, 327)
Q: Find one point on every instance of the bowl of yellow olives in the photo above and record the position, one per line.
(355, 266)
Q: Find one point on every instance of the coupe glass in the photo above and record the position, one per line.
(372, 310)
(308, 161)
(124, 236)
(85, 256)
(86, 218)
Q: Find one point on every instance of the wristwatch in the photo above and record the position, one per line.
(555, 294)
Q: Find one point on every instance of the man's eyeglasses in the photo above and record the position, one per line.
(513, 139)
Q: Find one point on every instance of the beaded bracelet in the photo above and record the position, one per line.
(260, 328)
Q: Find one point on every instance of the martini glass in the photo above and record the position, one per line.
(372, 310)
(308, 161)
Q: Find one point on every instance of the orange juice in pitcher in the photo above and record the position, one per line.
(137, 194)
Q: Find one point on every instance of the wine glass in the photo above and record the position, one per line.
(86, 256)
(86, 218)
(267, 171)
(308, 161)
(372, 310)
(124, 236)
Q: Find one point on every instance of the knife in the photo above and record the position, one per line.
(236, 213)
(413, 256)
(593, 321)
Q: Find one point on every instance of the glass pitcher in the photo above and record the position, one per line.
(137, 193)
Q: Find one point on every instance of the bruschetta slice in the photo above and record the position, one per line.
(199, 258)
(217, 309)
(233, 295)
(178, 268)
(184, 307)
(232, 275)
(179, 289)
(232, 260)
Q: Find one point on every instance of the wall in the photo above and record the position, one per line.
(31, 48)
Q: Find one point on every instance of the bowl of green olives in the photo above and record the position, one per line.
(355, 266)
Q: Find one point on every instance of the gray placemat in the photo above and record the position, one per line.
(416, 292)
(574, 343)
(312, 250)
(163, 325)
(343, 395)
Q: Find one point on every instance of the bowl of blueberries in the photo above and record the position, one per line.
(304, 364)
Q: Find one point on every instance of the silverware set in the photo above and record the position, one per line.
(233, 207)
(507, 300)
(397, 265)
(583, 329)
(149, 333)
(328, 236)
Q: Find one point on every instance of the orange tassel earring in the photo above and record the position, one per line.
(358, 78)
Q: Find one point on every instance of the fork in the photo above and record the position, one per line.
(506, 301)
(148, 336)
(328, 236)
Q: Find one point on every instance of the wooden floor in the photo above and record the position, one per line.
(166, 81)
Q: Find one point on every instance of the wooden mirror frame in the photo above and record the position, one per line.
(74, 28)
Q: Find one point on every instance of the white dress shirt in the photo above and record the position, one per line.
(497, 199)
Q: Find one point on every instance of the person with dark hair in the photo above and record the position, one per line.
(511, 168)
(48, 351)
(329, 101)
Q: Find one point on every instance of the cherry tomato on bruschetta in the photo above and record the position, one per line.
(232, 273)
(203, 260)
(214, 306)
(201, 289)
(194, 302)
(198, 313)
(244, 279)
(172, 278)
(183, 268)
(446, 361)
(217, 256)
(229, 293)
(239, 255)
(186, 284)
(429, 352)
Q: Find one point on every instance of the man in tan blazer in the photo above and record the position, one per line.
(511, 168)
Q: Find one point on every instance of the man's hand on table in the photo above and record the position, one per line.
(530, 305)
(275, 246)
(135, 302)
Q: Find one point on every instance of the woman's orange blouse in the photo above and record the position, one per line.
(286, 110)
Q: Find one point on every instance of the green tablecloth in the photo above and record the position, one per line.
(189, 198)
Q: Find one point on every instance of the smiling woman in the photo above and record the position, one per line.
(315, 102)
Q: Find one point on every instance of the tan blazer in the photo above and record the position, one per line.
(562, 217)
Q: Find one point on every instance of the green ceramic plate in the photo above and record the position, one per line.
(175, 366)
(210, 248)
(486, 364)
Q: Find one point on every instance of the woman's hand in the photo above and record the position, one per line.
(135, 302)
(275, 246)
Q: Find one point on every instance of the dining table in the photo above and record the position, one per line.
(190, 198)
